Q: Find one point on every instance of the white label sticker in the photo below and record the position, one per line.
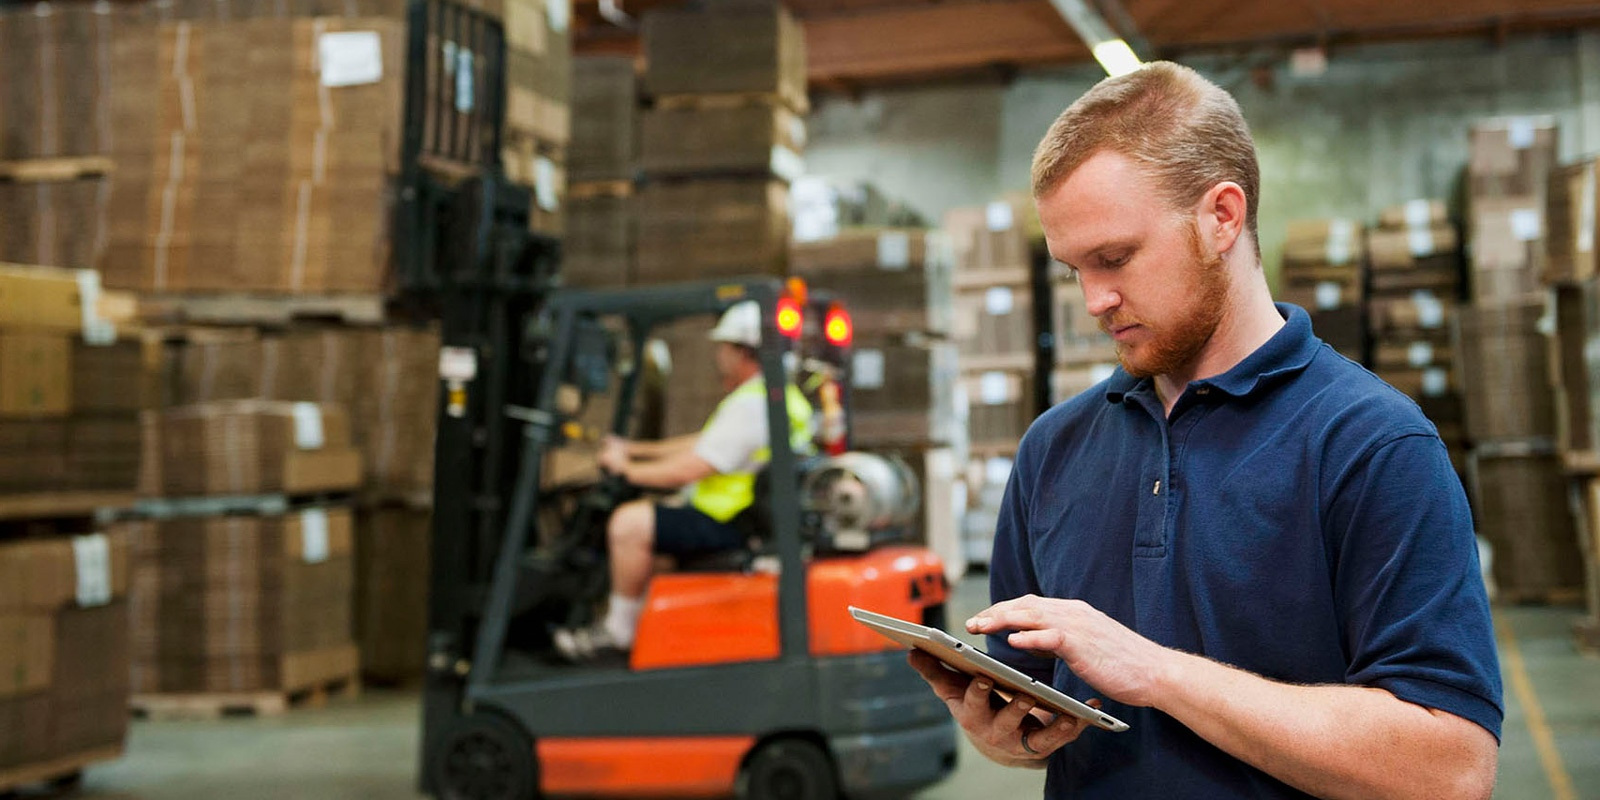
(1419, 214)
(464, 78)
(1435, 381)
(350, 58)
(1585, 241)
(1519, 130)
(458, 364)
(1526, 224)
(307, 426)
(999, 216)
(544, 184)
(96, 331)
(560, 13)
(1420, 240)
(91, 557)
(314, 535)
(797, 131)
(1341, 236)
(866, 369)
(1420, 354)
(894, 250)
(1430, 311)
(998, 301)
(996, 471)
(1329, 294)
(994, 388)
(786, 163)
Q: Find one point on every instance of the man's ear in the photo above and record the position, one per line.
(1225, 208)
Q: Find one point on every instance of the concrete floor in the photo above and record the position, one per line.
(366, 748)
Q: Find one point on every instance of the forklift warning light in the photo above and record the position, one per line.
(837, 327)
(789, 319)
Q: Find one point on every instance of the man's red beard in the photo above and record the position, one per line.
(1174, 346)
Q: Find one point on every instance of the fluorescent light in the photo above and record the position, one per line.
(1116, 57)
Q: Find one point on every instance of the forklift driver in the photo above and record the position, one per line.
(716, 467)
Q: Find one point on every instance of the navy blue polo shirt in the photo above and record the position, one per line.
(1295, 517)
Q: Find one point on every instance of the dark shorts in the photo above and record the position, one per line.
(687, 532)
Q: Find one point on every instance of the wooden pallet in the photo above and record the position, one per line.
(216, 705)
(56, 505)
(1586, 632)
(592, 189)
(46, 170)
(269, 310)
(63, 769)
(717, 101)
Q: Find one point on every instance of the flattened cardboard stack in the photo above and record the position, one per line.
(243, 165)
(1415, 288)
(721, 143)
(244, 603)
(391, 596)
(64, 669)
(896, 284)
(993, 247)
(1508, 176)
(1503, 352)
(601, 209)
(54, 104)
(257, 447)
(69, 409)
(538, 121)
(1324, 273)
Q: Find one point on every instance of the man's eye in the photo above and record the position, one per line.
(1114, 261)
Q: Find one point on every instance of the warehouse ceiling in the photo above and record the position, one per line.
(855, 43)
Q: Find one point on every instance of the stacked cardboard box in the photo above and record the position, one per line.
(70, 407)
(1415, 287)
(242, 164)
(1508, 178)
(392, 554)
(994, 247)
(896, 285)
(1504, 356)
(257, 447)
(721, 143)
(599, 247)
(538, 120)
(64, 672)
(1324, 273)
(244, 603)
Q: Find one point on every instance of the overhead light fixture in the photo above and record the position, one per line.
(1111, 50)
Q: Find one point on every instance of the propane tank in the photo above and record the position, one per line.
(860, 497)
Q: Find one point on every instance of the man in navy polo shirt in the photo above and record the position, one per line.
(1251, 548)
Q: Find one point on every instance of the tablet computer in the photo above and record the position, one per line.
(963, 657)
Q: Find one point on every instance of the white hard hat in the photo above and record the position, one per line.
(740, 324)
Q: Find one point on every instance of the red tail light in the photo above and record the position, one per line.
(789, 317)
(837, 327)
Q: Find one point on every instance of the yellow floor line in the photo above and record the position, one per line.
(1543, 740)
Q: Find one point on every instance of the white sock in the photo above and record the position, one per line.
(622, 618)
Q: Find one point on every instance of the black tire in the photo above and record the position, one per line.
(789, 769)
(485, 757)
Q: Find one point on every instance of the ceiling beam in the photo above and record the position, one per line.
(899, 42)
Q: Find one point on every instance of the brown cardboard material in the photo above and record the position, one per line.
(707, 229)
(748, 139)
(605, 100)
(1414, 214)
(253, 447)
(1399, 250)
(743, 49)
(27, 652)
(391, 616)
(903, 393)
(39, 298)
(35, 374)
(1502, 360)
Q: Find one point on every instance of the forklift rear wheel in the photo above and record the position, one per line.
(486, 758)
(789, 769)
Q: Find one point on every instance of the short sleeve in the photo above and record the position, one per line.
(1414, 613)
(734, 434)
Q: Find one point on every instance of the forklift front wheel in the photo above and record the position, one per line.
(484, 757)
(789, 769)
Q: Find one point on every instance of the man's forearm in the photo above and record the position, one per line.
(672, 472)
(649, 451)
(1330, 741)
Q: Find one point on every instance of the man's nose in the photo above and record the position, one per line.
(1101, 298)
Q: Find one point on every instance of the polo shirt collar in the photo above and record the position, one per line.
(1287, 352)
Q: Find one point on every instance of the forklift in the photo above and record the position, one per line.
(747, 678)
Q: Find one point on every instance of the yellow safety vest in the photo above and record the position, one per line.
(722, 496)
